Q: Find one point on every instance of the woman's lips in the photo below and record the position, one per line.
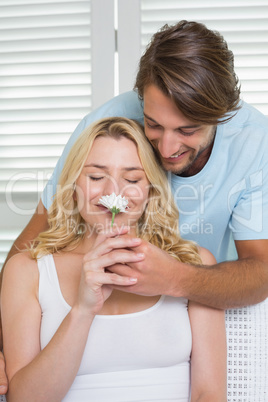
(103, 208)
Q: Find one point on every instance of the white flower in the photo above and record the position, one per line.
(115, 204)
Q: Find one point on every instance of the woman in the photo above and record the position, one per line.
(71, 332)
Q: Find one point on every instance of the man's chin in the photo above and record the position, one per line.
(178, 169)
(170, 167)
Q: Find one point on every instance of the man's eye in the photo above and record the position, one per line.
(187, 133)
(152, 125)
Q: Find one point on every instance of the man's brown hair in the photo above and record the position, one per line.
(194, 67)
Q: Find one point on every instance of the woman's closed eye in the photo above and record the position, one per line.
(96, 178)
(134, 177)
(132, 181)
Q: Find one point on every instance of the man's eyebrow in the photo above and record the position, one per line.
(150, 118)
(178, 128)
(103, 167)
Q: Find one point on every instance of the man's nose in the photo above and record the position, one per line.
(168, 144)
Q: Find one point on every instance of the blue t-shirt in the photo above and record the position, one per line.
(228, 199)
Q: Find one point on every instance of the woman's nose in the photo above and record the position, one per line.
(111, 186)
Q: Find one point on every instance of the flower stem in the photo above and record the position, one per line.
(113, 219)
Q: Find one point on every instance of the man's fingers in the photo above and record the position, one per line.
(3, 377)
(121, 269)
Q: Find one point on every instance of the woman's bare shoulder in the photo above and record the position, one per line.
(21, 264)
(22, 257)
(206, 256)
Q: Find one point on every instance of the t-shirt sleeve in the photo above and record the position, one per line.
(249, 219)
(125, 105)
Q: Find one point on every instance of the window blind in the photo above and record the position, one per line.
(244, 25)
(45, 81)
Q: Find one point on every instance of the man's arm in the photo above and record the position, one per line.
(231, 284)
(37, 224)
(225, 285)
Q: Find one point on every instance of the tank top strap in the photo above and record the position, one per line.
(47, 269)
(49, 281)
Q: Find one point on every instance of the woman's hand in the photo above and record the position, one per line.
(96, 283)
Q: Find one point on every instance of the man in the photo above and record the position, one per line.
(214, 148)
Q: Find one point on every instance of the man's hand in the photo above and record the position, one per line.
(3, 377)
(158, 273)
(224, 285)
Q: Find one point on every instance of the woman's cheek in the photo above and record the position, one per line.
(133, 193)
(137, 197)
(84, 194)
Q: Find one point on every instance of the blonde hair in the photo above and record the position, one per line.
(158, 223)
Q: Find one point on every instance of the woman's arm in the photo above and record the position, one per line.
(34, 374)
(209, 353)
(209, 356)
(47, 374)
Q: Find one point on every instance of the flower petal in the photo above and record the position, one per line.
(114, 201)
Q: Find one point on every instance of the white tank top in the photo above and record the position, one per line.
(143, 356)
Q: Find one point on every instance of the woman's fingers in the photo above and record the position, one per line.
(97, 279)
(96, 282)
(97, 286)
(112, 232)
(110, 244)
(120, 256)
